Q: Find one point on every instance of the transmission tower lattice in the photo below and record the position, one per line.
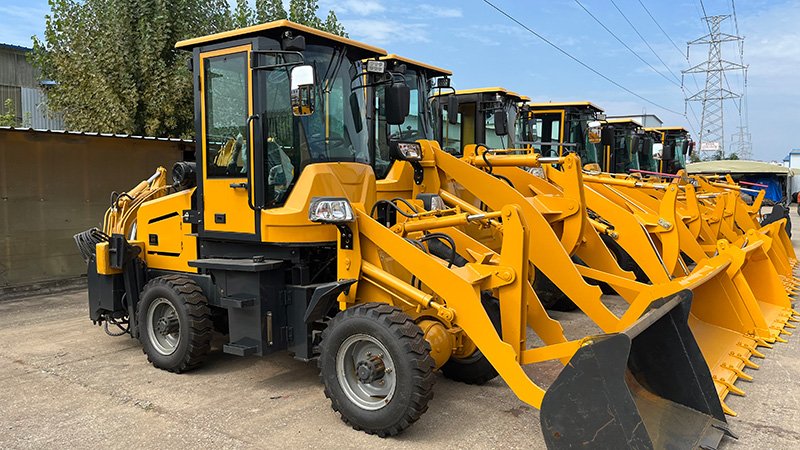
(712, 133)
(741, 143)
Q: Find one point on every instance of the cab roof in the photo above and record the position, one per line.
(277, 27)
(671, 129)
(433, 70)
(631, 121)
(495, 90)
(565, 104)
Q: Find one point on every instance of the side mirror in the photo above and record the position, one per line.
(669, 152)
(500, 123)
(356, 110)
(452, 109)
(636, 141)
(398, 103)
(302, 85)
(607, 137)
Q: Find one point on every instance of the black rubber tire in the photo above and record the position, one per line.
(624, 259)
(550, 295)
(194, 317)
(413, 366)
(476, 369)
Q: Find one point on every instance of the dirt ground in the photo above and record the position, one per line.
(66, 384)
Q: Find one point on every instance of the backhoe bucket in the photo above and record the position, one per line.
(646, 387)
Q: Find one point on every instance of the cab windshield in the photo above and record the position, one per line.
(417, 124)
(624, 156)
(335, 131)
(680, 156)
(578, 134)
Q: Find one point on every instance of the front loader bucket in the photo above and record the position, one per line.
(646, 387)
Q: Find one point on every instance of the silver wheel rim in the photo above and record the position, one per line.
(165, 344)
(369, 396)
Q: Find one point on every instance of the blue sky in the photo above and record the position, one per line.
(483, 48)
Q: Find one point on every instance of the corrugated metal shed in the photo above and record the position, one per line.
(15, 70)
(33, 103)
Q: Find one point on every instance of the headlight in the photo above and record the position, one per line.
(406, 151)
(431, 202)
(538, 171)
(330, 210)
(376, 66)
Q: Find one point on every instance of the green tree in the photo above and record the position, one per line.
(115, 65)
(303, 12)
(243, 15)
(9, 119)
(269, 11)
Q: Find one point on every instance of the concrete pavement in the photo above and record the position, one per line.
(66, 384)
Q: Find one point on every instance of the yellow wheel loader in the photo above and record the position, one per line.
(730, 316)
(268, 238)
(431, 175)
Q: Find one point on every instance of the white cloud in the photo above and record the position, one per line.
(382, 32)
(356, 7)
(439, 12)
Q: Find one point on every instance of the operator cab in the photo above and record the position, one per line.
(647, 161)
(420, 79)
(575, 123)
(677, 147)
(485, 116)
(277, 118)
(623, 155)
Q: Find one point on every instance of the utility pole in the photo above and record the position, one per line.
(712, 133)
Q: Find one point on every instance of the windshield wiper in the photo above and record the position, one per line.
(336, 66)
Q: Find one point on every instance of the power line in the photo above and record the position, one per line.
(648, 64)
(579, 61)
(659, 27)
(644, 40)
(624, 44)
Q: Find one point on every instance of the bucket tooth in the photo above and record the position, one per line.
(792, 319)
(788, 325)
(752, 350)
(780, 339)
(731, 388)
(725, 430)
(761, 342)
(744, 360)
(727, 410)
(780, 330)
(738, 372)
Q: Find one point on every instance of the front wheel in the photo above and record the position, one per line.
(376, 367)
(174, 323)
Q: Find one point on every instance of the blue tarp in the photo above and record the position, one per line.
(774, 190)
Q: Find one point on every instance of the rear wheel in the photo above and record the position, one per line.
(174, 323)
(376, 367)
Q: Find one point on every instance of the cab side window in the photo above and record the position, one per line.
(226, 113)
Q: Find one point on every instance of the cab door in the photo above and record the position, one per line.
(226, 104)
